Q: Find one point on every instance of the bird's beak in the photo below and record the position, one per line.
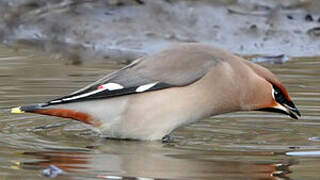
(287, 108)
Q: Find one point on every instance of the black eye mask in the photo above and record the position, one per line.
(281, 99)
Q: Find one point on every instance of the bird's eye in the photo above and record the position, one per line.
(279, 96)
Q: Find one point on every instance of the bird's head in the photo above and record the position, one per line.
(271, 95)
(281, 103)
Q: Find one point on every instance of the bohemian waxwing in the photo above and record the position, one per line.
(156, 94)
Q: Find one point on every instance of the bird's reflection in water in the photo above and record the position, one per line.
(68, 161)
(131, 160)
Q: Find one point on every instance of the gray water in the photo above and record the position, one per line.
(246, 145)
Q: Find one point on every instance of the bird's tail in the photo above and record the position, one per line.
(29, 108)
(46, 109)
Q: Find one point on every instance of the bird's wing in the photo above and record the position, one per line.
(160, 71)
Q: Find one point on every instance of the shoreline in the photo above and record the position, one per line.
(100, 30)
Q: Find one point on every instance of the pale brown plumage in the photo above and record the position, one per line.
(156, 94)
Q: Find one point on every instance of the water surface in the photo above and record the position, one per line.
(246, 145)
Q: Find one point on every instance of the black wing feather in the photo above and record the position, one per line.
(175, 67)
(106, 94)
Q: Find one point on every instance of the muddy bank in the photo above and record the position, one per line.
(124, 30)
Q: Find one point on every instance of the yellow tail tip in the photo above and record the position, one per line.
(16, 110)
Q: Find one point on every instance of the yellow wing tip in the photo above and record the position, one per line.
(16, 110)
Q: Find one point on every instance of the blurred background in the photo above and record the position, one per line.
(125, 29)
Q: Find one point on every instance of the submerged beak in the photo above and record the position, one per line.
(287, 108)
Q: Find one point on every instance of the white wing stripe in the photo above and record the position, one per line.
(108, 86)
(83, 95)
(112, 86)
(56, 101)
(145, 87)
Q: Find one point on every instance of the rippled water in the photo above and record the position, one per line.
(232, 146)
